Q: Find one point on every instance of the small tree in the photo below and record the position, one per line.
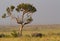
(26, 9)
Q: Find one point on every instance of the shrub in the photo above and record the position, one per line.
(2, 35)
(7, 36)
(15, 34)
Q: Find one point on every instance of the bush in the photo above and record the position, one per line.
(7, 36)
(2, 35)
(15, 34)
(37, 35)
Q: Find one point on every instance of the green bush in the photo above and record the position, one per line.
(2, 35)
(7, 36)
(15, 34)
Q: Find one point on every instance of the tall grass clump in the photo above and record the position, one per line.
(15, 34)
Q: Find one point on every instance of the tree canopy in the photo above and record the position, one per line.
(26, 8)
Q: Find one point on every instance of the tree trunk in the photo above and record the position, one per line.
(21, 28)
(22, 25)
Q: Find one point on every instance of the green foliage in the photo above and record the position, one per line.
(26, 7)
(28, 20)
(17, 9)
(4, 15)
(12, 7)
(8, 9)
(2, 35)
(15, 34)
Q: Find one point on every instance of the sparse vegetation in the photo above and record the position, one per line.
(50, 35)
(15, 34)
(2, 35)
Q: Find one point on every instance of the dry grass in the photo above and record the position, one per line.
(51, 34)
(31, 39)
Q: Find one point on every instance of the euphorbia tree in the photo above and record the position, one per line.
(26, 9)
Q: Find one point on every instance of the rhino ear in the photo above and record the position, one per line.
(4, 15)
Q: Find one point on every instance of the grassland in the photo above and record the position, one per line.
(51, 32)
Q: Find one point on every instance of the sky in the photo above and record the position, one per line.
(48, 11)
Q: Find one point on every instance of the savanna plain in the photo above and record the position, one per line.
(51, 33)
